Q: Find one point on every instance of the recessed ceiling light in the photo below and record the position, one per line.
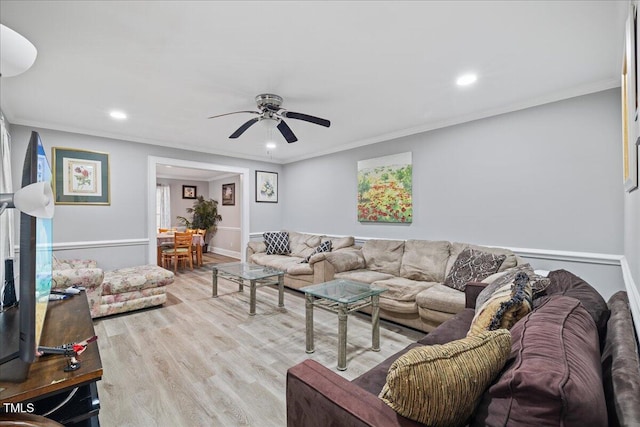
(466, 79)
(118, 115)
(271, 145)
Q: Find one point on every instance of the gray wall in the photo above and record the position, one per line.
(545, 177)
(542, 178)
(126, 217)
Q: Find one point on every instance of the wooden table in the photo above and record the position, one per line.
(67, 321)
(164, 238)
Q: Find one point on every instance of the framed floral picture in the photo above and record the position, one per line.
(80, 177)
(189, 192)
(266, 187)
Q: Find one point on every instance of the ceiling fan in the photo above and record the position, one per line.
(269, 106)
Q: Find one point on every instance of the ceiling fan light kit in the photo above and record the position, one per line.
(272, 114)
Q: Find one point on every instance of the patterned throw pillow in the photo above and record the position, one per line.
(324, 247)
(472, 266)
(505, 307)
(440, 385)
(277, 243)
(538, 283)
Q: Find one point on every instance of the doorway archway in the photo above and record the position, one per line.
(152, 163)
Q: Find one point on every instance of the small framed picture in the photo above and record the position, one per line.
(266, 187)
(189, 192)
(229, 194)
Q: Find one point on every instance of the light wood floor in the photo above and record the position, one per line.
(203, 361)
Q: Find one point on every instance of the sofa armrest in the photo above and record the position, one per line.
(471, 292)
(255, 247)
(316, 396)
(90, 278)
(82, 263)
(345, 260)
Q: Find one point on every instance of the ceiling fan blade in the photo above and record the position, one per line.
(244, 127)
(286, 131)
(235, 112)
(306, 118)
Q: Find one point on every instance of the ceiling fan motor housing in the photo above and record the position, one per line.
(269, 101)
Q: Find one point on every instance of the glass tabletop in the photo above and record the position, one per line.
(247, 271)
(341, 290)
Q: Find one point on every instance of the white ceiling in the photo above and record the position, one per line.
(377, 70)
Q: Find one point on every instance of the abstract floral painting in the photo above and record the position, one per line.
(384, 189)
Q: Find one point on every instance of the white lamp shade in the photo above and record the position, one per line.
(17, 54)
(35, 200)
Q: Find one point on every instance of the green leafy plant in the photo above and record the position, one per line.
(204, 215)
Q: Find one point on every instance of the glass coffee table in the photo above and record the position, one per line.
(342, 297)
(256, 275)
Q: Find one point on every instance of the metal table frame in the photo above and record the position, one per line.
(261, 278)
(342, 308)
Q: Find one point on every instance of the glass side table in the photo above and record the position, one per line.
(256, 275)
(342, 297)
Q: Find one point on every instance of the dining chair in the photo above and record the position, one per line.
(181, 251)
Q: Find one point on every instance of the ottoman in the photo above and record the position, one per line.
(131, 288)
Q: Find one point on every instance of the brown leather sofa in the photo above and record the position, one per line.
(563, 391)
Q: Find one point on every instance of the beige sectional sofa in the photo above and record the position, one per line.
(413, 271)
(301, 245)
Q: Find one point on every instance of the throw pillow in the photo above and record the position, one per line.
(553, 374)
(277, 243)
(440, 385)
(472, 266)
(505, 307)
(324, 247)
(539, 283)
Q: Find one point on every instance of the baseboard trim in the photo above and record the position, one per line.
(632, 293)
(225, 252)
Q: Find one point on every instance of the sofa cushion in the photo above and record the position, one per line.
(441, 298)
(132, 279)
(363, 275)
(340, 242)
(277, 243)
(508, 304)
(457, 247)
(566, 283)
(384, 256)
(553, 373)
(302, 244)
(401, 289)
(323, 247)
(472, 265)
(424, 260)
(440, 385)
(280, 262)
(538, 283)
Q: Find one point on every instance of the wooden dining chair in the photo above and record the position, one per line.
(181, 251)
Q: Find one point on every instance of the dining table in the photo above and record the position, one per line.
(166, 240)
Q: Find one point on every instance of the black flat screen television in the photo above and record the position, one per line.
(21, 326)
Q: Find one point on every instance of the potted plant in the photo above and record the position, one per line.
(204, 215)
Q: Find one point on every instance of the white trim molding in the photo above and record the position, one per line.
(225, 252)
(95, 244)
(568, 256)
(632, 293)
